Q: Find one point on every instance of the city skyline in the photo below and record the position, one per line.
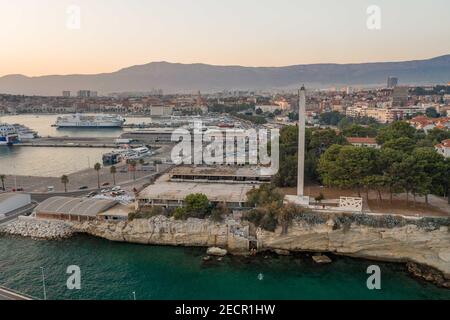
(43, 38)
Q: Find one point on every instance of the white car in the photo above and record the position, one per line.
(116, 188)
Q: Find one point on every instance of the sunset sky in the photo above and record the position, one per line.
(35, 39)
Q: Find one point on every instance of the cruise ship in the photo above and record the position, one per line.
(90, 121)
(8, 135)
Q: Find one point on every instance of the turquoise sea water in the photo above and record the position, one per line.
(115, 270)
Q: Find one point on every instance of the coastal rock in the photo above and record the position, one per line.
(428, 274)
(38, 229)
(214, 251)
(321, 259)
(282, 252)
(390, 239)
(408, 243)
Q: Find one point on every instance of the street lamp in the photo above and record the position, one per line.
(43, 283)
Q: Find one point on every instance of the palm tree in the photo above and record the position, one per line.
(65, 181)
(97, 168)
(133, 164)
(2, 178)
(113, 171)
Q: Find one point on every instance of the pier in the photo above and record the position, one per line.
(8, 294)
(78, 142)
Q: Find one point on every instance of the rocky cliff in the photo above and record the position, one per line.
(401, 240)
(425, 242)
(409, 243)
(161, 231)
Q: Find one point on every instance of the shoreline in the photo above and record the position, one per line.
(427, 270)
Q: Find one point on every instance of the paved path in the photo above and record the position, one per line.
(19, 212)
(7, 294)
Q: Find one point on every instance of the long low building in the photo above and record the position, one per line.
(219, 174)
(172, 194)
(73, 209)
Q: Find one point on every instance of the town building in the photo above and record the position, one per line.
(219, 174)
(79, 209)
(400, 96)
(172, 194)
(363, 142)
(392, 82)
(444, 148)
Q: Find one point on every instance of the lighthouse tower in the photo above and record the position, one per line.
(301, 141)
(300, 198)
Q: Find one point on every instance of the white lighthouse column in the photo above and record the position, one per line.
(300, 198)
(301, 141)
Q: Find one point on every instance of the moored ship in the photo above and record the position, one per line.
(8, 135)
(90, 121)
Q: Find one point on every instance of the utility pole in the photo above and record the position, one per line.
(43, 283)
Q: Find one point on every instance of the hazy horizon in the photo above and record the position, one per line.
(37, 38)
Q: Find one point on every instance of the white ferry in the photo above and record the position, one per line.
(90, 121)
(24, 132)
(8, 135)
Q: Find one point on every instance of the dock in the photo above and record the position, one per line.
(78, 142)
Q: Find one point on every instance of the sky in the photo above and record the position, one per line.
(41, 37)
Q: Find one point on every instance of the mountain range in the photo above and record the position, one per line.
(188, 78)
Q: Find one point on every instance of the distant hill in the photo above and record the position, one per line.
(176, 77)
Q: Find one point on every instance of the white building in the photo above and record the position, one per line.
(12, 201)
(161, 111)
(444, 148)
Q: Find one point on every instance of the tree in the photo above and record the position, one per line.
(113, 171)
(356, 130)
(388, 157)
(411, 176)
(2, 178)
(197, 205)
(265, 194)
(396, 130)
(133, 165)
(65, 181)
(431, 113)
(348, 166)
(434, 167)
(97, 168)
(403, 144)
(331, 118)
(317, 141)
(259, 111)
(219, 211)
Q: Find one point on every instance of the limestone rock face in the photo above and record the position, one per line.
(406, 244)
(161, 230)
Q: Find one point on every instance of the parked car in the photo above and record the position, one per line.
(83, 188)
(92, 194)
(116, 188)
(105, 184)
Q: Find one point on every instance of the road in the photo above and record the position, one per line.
(19, 212)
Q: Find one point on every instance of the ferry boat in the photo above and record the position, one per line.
(24, 132)
(90, 121)
(8, 135)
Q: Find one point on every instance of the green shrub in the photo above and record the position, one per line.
(180, 213)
